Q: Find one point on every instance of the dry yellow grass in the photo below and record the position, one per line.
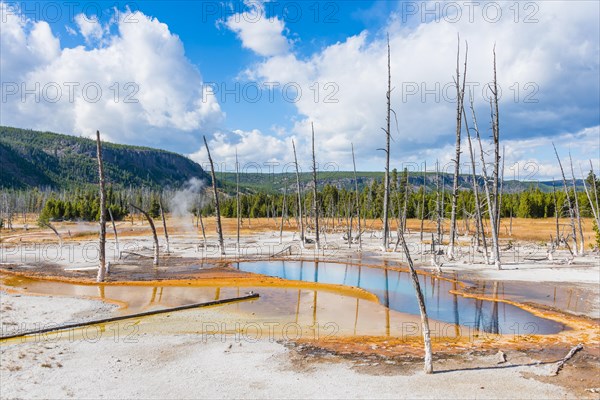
(527, 229)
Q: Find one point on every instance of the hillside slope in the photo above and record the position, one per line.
(255, 183)
(43, 159)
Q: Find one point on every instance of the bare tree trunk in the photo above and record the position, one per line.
(577, 211)
(386, 183)
(53, 229)
(595, 189)
(216, 194)
(559, 365)
(349, 215)
(405, 205)
(164, 222)
(491, 211)
(102, 238)
(424, 319)
(283, 210)
(556, 212)
(112, 220)
(153, 228)
(443, 210)
(315, 200)
(499, 211)
(571, 212)
(237, 199)
(357, 200)
(460, 94)
(479, 221)
(300, 222)
(202, 228)
(423, 200)
(496, 136)
(438, 203)
(595, 211)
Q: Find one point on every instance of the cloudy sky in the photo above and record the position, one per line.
(252, 76)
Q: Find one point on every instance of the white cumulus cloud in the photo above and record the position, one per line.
(137, 86)
(258, 32)
(548, 70)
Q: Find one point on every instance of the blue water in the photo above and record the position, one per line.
(394, 289)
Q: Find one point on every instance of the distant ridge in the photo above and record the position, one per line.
(49, 160)
(275, 182)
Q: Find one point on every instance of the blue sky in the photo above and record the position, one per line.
(334, 53)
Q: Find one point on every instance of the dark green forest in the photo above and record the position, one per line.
(55, 177)
(32, 159)
(82, 204)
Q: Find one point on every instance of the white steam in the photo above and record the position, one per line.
(184, 200)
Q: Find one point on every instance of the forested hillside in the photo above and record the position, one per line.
(43, 159)
(275, 182)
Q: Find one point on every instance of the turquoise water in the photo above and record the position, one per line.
(394, 290)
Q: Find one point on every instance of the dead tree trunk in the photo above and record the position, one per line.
(202, 228)
(556, 212)
(424, 319)
(300, 222)
(559, 365)
(577, 210)
(595, 212)
(357, 199)
(164, 222)
(315, 200)
(237, 200)
(438, 206)
(154, 235)
(479, 220)
(112, 220)
(460, 94)
(499, 210)
(496, 137)
(595, 189)
(53, 229)
(102, 238)
(283, 210)
(571, 212)
(402, 217)
(405, 205)
(386, 183)
(491, 211)
(423, 201)
(216, 194)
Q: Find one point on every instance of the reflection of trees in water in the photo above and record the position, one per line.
(299, 292)
(357, 301)
(455, 304)
(438, 282)
(298, 306)
(491, 325)
(386, 302)
(283, 268)
(155, 291)
(478, 323)
(494, 326)
(315, 295)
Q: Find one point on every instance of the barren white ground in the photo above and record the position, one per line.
(186, 366)
(190, 366)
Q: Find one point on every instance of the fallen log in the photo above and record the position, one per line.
(535, 258)
(131, 253)
(287, 250)
(124, 317)
(569, 355)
